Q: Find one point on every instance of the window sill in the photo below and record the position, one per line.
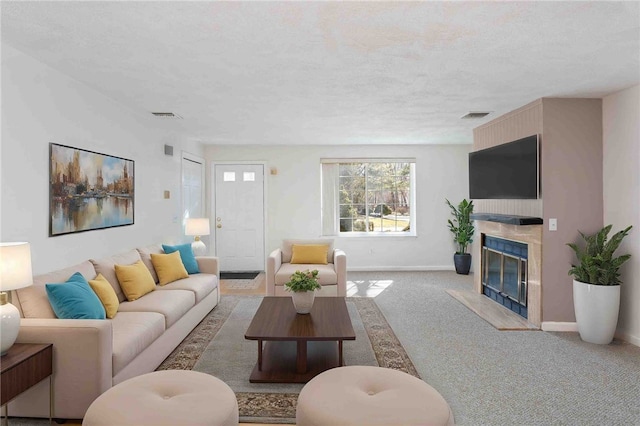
(376, 235)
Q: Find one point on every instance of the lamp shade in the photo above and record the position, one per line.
(15, 266)
(197, 226)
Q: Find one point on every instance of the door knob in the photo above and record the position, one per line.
(219, 225)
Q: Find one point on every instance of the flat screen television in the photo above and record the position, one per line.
(507, 171)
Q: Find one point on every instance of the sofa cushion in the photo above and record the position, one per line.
(169, 267)
(287, 249)
(106, 294)
(106, 267)
(145, 255)
(133, 332)
(74, 299)
(187, 256)
(172, 304)
(201, 285)
(135, 280)
(33, 300)
(326, 274)
(309, 253)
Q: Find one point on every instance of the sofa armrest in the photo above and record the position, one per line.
(340, 262)
(208, 265)
(82, 363)
(274, 261)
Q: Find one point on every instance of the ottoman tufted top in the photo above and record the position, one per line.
(169, 397)
(359, 395)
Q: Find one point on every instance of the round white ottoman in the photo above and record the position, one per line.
(170, 397)
(361, 395)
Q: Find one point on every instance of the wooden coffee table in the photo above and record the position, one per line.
(298, 347)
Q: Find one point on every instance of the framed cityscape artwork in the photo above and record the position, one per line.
(88, 190)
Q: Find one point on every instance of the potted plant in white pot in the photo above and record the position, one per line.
(596, 285)
(462, 229)
(304, 286)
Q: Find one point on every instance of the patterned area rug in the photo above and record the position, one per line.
(281, 407)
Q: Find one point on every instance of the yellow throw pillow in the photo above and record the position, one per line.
(106, 294)
(135, 280)
(169, 267)
(309, 253)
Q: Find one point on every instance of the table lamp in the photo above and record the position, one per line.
(15, 272)
(198, 226)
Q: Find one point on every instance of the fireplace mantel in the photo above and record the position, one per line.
(507, 218)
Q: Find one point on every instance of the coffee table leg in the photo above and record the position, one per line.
(340, 360)
(259, 355)
(301, 360)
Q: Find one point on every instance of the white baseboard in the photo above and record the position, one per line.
(572, 326)
(399, 268)
(623, 335)
(559, 326)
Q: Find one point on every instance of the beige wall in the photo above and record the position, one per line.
(571, 184)
(572, 193)
(621, 143)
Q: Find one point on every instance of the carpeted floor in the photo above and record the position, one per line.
(231, 358)
(489, 377)
(492, 377)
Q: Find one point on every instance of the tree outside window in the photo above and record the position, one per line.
(375, 197)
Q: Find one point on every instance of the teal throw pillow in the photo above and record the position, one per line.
(186, 254)
(75, 299)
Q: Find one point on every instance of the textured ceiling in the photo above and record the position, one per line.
(332, 72)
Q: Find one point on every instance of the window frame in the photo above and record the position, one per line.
(336, 199)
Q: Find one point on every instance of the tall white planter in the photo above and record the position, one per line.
(303, 301)
(596, 308)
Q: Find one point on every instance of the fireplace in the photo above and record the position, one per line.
(504, 273)
(522, 290)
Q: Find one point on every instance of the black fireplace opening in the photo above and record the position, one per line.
(504, 273)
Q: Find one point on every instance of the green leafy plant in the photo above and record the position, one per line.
(461, 226)
(303, 281)
(596, 264)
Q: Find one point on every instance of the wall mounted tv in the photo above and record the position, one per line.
(507, 171)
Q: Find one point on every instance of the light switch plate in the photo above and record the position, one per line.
(553, 224)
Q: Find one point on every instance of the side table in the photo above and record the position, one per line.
(24, 365)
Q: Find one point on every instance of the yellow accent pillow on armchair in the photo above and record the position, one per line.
(309, 253)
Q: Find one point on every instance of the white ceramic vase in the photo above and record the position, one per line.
(596, 308)
(303, 301)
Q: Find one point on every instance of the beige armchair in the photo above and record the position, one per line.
(332, 276)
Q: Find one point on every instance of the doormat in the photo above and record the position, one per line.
(239, 275)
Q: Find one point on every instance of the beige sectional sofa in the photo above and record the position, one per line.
(91, 356)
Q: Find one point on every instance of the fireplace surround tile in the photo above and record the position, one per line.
(530, 235)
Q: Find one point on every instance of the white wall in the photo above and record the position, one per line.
(40, 105)
(621, 141)
(293, 200)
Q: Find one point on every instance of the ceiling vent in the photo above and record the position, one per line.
(167, 115)
(475, 115)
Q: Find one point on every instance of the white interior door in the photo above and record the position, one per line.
(239, 216)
